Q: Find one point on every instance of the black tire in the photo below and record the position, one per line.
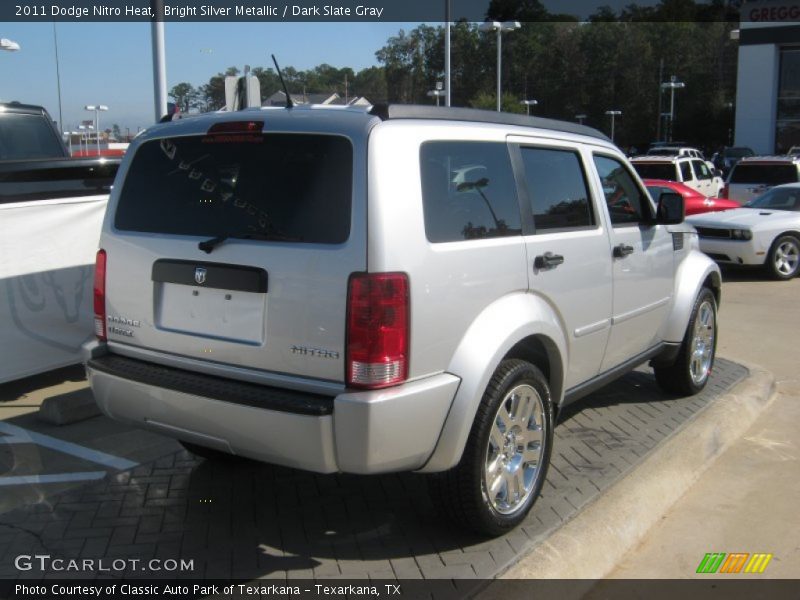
(461, 494)
(208, 453)
(783, 262)
(688, 375)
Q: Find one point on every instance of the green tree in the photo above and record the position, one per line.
(185, 96)
(370, 83)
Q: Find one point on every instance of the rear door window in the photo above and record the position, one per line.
(686, 171)
(701, 170)
(283, 187)
(468, 191)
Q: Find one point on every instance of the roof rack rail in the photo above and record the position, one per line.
(415, 111)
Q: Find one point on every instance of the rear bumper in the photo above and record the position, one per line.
(394, 429)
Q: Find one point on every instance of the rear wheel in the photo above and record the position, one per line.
(505, 460)
(784, 257)
(692, 368)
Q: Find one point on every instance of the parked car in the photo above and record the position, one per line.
(765, 231)
(692, 172)
(670, 150)
(51, 208)
(397, 288)
(794, 150)
(694, 201)
(728, 157)
(753, 176)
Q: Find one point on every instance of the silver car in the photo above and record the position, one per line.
(395, 288)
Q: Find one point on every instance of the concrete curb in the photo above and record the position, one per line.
(68, 408)
(590, 545)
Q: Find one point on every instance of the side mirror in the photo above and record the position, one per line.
(671, 209)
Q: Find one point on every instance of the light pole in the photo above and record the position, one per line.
(82, 140)
(9, 45)
(528, 104)
(613, 114)
(499, 28)
(672, 85)
(96, 108)
(580, 118)
(447, 58)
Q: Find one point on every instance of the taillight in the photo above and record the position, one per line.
(723, 193)
(100, 295)
(377, 329)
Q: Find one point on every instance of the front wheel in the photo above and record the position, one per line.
(692, 368)
(783, 261)
(505, 460)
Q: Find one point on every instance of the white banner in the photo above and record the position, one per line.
(47, 253)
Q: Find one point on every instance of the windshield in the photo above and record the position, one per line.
(778, 199)
(286, 187)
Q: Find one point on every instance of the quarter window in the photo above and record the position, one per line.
(627, 203)
(468, 191)
(557, 189)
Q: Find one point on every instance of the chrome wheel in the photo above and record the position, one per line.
(786, 257)
(515, 449)
(702, 345)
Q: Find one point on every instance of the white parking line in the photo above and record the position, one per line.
(57, 478)
(18, 435)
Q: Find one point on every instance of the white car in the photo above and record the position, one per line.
(690, 171)
(765, 231)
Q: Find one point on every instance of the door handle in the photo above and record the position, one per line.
(548, 260)
(622, 251)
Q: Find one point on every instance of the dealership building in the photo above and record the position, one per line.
(768, 85)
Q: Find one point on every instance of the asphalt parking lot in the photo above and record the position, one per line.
(116, 499)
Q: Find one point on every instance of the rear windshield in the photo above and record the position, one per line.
(25, 137)
(656, 171)
(768, 174)
(664, 152)
(285, 187)
(738, 152)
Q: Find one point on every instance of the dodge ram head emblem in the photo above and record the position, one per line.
(200, 275)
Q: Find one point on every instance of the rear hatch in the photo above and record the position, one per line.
(235, 246)
(751, 179)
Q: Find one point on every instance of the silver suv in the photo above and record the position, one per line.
(752, 176)
(390, 289)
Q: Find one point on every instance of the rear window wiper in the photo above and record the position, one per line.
(208, 245)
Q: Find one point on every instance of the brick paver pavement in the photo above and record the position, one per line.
(247, 520)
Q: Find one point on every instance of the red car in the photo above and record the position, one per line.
(695, 201)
